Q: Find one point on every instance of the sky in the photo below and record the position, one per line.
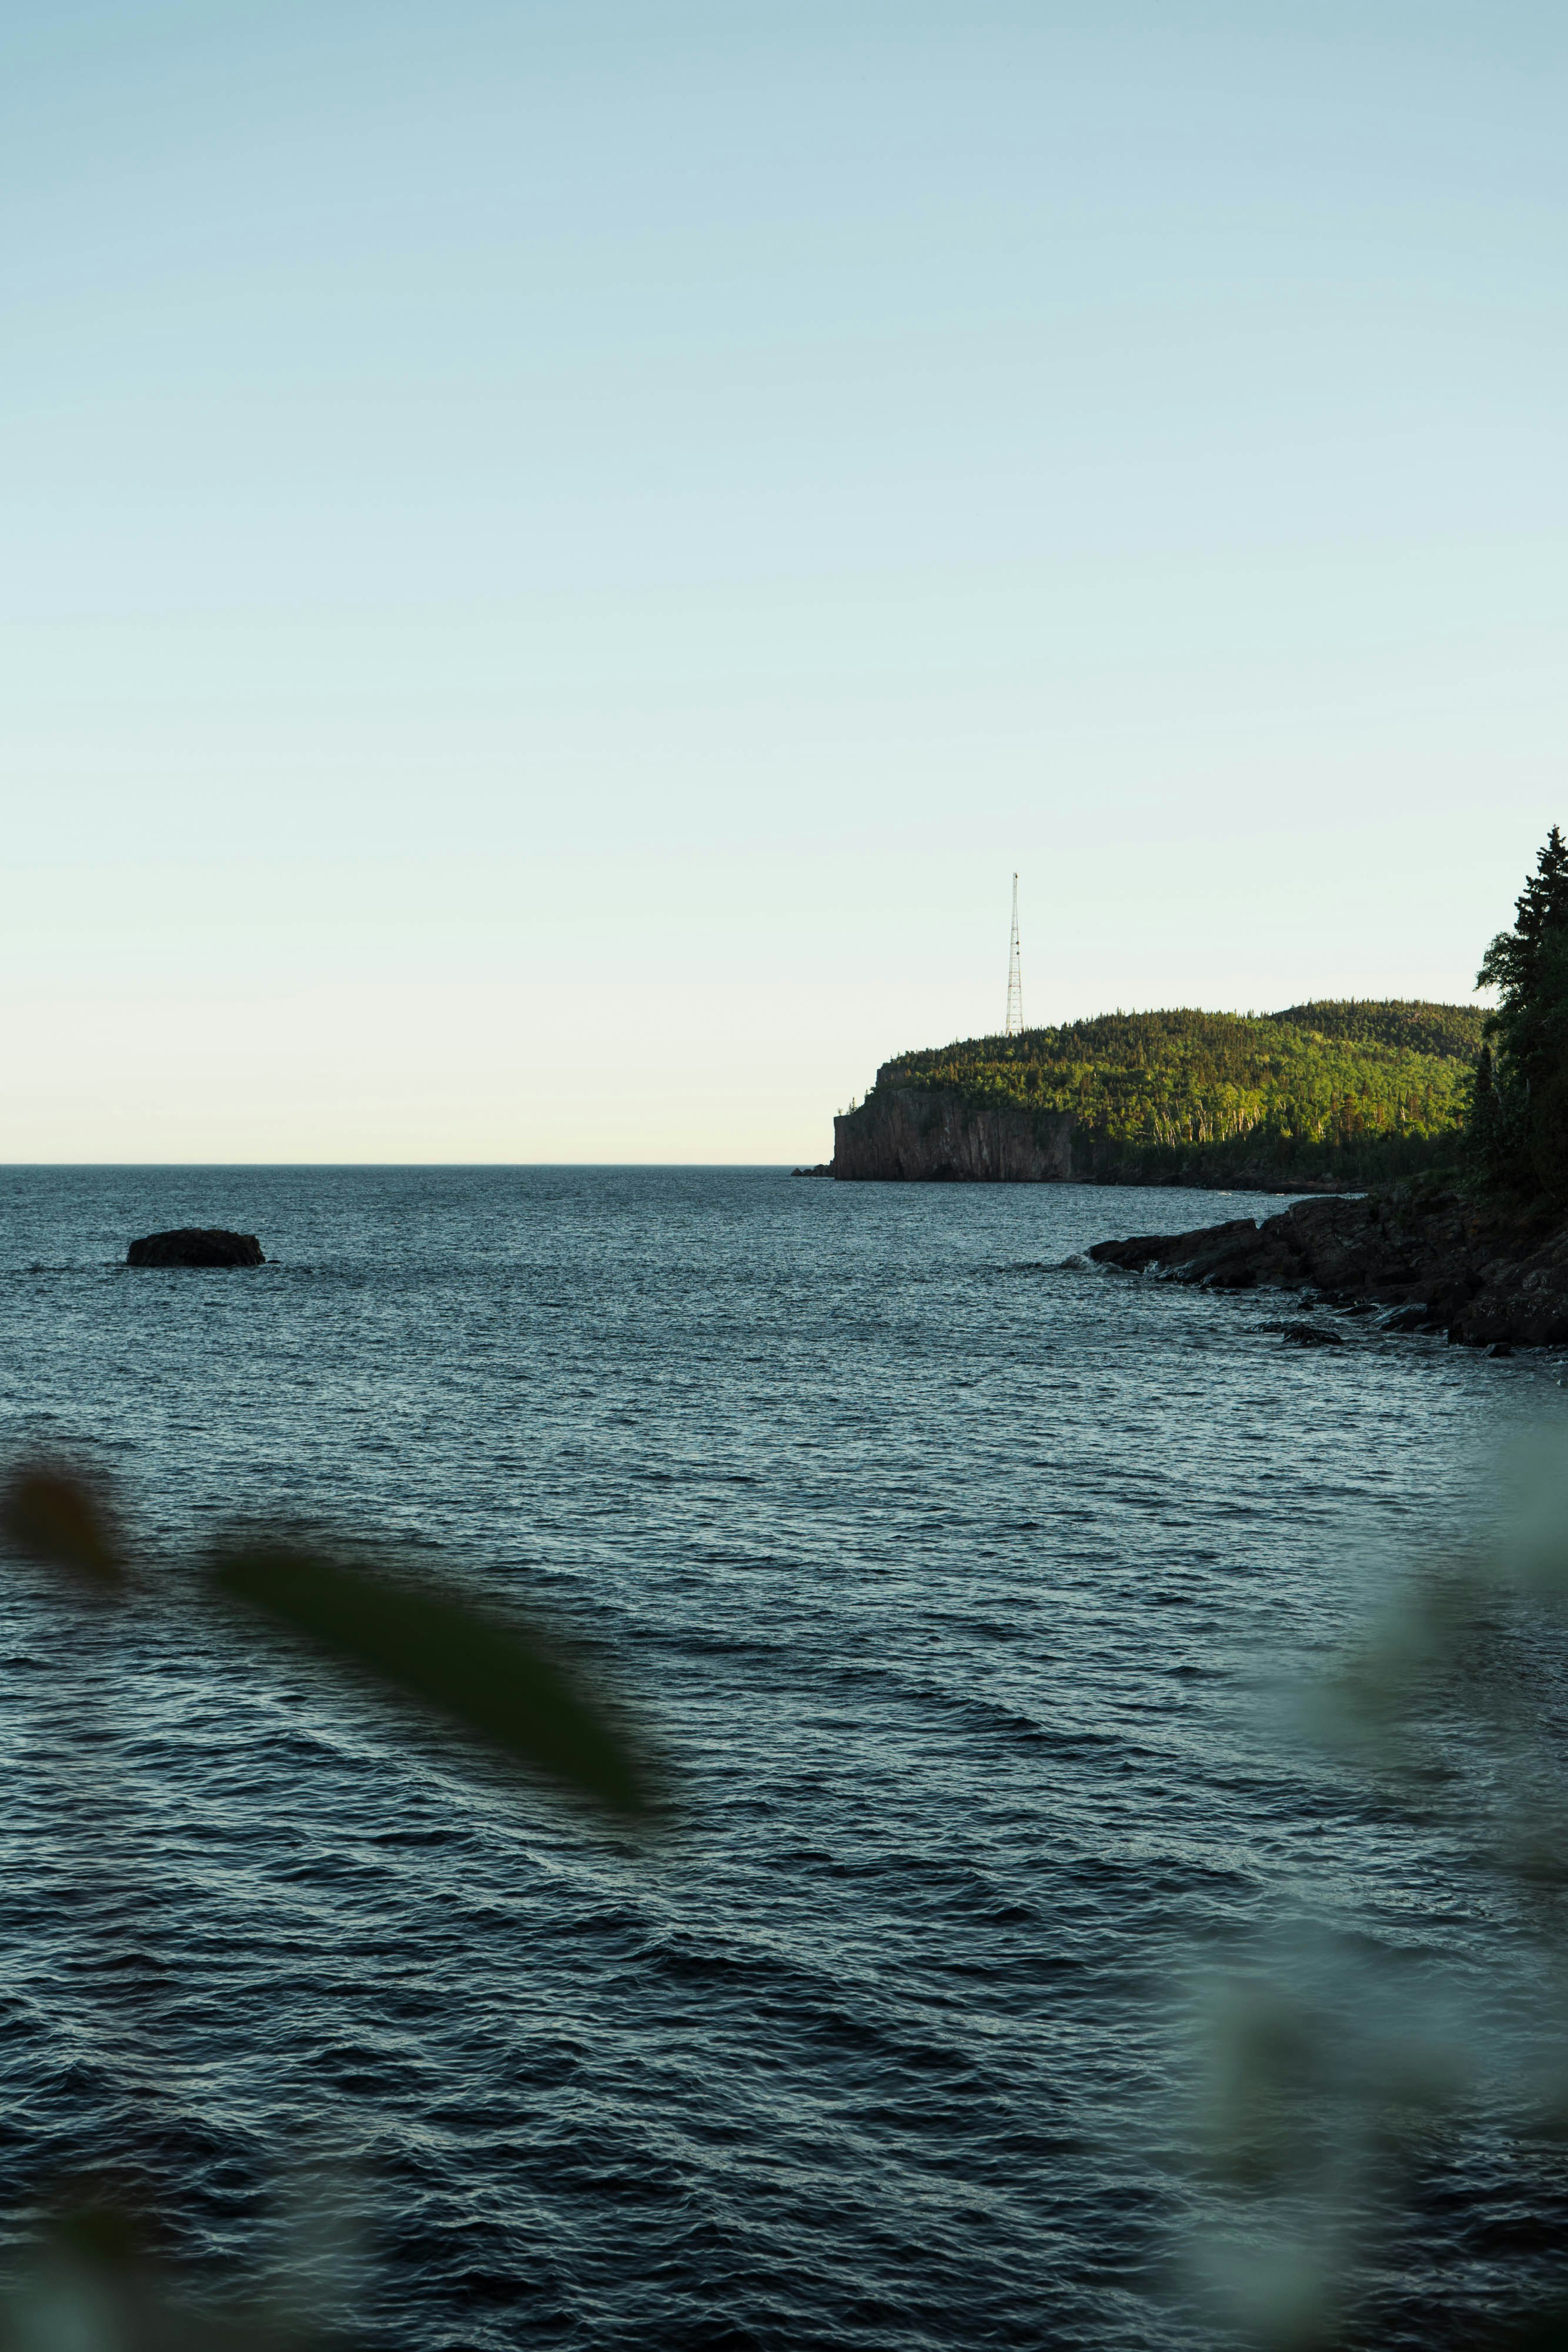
(556, 558)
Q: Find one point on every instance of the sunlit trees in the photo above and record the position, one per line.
(1350, 1091)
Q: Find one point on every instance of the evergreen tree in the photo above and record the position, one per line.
(1483, 1125)
(1518, 1123)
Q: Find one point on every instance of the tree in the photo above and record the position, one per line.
(1484, 1124)
(1519, 1121)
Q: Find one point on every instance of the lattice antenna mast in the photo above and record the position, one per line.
(1015, 975)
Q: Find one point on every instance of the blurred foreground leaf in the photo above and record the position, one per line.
(87, 2284)
(489, 1676)
(52, 1513)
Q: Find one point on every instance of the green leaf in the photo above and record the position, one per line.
(52, 1513)
(492, 1677)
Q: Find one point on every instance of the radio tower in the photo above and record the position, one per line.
(1015, 975)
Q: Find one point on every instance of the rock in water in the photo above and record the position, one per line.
(196, 1245)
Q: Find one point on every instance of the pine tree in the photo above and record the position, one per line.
(1483, 1127)
(1518, 1122)
(1514, 961)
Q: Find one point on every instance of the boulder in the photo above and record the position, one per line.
(195, 1245)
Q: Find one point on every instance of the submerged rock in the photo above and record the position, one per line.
(1407, 1318)
(195, 1245)
(1311, 1335)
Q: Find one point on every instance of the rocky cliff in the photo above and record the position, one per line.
(924, 1134)
(1320, 1097)
(1484, 1275)
(936, 1134)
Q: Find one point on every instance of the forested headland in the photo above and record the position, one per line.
(1482, 1255)
(1336, 1092)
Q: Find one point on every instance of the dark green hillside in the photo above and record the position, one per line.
(1344, 1091)
(1446, 1030)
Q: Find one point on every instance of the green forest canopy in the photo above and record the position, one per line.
(1322, 1074)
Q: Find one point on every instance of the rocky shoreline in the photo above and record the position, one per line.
(1485, 1274)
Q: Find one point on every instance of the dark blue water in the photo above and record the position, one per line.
(947, 1576)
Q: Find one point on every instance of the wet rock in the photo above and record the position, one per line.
(1483, 1273)
(1196, 1255)
(1311, 1335)
(1406, 1319)
(195, 1245)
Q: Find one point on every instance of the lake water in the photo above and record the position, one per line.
(948, 1576)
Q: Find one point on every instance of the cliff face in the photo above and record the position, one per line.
(922, 1135)
(934, 1135)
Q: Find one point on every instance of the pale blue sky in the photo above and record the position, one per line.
(557, 557)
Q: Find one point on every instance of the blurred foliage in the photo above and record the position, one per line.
(1350, 2071)
(1354, 1090)
(1340, 2069)
(62, 1519)
(422, 1643)
(88, 2283)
